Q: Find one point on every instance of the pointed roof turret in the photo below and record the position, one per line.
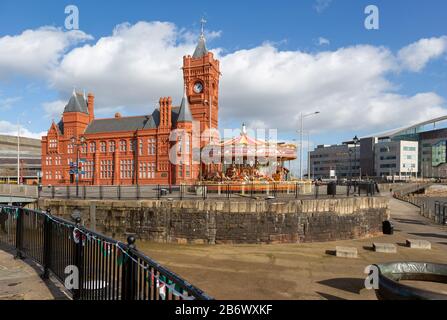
(201, 49)
(77, 103)
(184, 112)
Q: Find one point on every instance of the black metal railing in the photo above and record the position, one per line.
(429, 208)
(90, 265)
(440, 212)
(291, 190)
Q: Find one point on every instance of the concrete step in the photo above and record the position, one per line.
(418, 244)
(346, 252)
(384, 247)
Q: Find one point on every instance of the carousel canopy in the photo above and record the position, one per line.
(246, 146)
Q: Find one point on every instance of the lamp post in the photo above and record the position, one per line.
(302, 116)
(350, 164)
(18, 149)
(74, 142)
(356, 141)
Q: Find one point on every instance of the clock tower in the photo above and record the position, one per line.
(201, 73)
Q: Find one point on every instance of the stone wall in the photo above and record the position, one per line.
(235, 221)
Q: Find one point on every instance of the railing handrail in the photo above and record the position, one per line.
(125, 248)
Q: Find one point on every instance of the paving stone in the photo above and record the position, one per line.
(419, 244)
(384, 247)
(346, 252)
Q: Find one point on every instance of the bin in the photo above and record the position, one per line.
(332, 189)
(388, 227)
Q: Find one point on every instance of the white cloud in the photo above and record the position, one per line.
(35, 52)
(7, 103)
(415, 56)
(263, 86)
(133, 67)
(323, 41)
(10, 129)
(54, 109)
(321, 5)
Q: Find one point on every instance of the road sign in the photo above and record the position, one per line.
(73, 165)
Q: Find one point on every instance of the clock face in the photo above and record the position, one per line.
(198, 87)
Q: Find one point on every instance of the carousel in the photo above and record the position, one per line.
(249, 160)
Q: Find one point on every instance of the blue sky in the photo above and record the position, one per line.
(279, 58)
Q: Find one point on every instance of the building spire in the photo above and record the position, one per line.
(184, 112)
(201, 49)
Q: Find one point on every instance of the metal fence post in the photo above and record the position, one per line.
(84, 191)
(158, 192)
(79, 262)
(129, 279)
(317, 190)
(47, 239)
(53, 191)
(100, 192)
(19, 234)
(119, 192)
(138, 192)
(296, 190)
(68, 192)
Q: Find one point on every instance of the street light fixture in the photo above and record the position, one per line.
(302, 116)
(74, 141)
(356, 141)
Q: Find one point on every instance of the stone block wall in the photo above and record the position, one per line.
(235, 221)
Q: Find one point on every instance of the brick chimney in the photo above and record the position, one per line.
(91, 106)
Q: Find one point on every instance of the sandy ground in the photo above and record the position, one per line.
(299, 271)
(296, 271)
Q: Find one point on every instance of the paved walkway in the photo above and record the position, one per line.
(407, 219)
(19, 280)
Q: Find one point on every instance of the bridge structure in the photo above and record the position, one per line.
(18, 194)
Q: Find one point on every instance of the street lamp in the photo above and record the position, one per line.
(356, 141)
(18, 149)
(302, 116)
(74, 141)
(350, 164)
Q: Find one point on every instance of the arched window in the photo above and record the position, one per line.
(103, 146)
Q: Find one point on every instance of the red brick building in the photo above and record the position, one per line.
(133, 150)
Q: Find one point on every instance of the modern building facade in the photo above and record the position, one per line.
(396, 159)
(134, 150)
(418, 150)
(335, 161)
(29, 159)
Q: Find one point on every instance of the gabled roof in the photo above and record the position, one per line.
(130, 123)
(76, 103)
(120, 124)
